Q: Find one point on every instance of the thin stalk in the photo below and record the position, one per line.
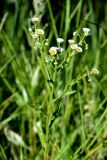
(79, 14)
(67, 19)
(49, 106)
(82, 119)
(52, 19)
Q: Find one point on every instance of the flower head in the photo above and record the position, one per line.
(86, 31)
(39, 32)
(74, 33)
(70, 41)
(94, 71)
(34, 35)
(79, 49)
(34, 19)
(53, 51)
(74, 46)
(60, 40)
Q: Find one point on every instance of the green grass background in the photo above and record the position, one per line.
(74, 126)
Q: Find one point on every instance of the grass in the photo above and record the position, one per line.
(55, 105)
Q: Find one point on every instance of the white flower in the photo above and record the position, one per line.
(34, 35)
(74, 46)
(74, 33)
(79, 49)
(39, 32)
(70, 41)
(34, 19)
(94, 71)
(53, 51)
(86, 31)
(60, 40)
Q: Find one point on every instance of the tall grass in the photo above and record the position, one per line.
(54, 105)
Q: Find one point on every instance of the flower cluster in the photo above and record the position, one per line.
(37, 32)
(75, 46)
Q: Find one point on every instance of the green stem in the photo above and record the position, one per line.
(52, 19)
(67, 19)
(49, 106)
